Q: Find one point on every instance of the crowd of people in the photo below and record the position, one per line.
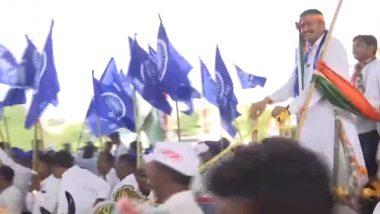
(336, 151)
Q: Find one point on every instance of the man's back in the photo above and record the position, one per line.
(84, 187)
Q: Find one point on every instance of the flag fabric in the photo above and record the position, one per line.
(99, 125)
(15, 96)
(31, 65)
(47, 84)
(9, 72)
(227, 99)
(209, 86)
(173, 70)
(112, 103)
(343, 94)
(143, 74)
(249, 80)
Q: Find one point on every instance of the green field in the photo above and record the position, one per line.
(69, 133)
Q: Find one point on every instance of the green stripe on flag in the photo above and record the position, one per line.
(334, 95)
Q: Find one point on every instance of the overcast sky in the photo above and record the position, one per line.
(259, 36)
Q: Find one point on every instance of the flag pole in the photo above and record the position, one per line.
(311, 90)
(7, 129)
(81, 133)
(34, 147)
(98, 129)
(178, 122)
(139, 160)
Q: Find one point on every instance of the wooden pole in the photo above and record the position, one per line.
(311, 90)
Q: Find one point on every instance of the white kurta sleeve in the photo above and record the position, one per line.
(30, 201)
(372, 91)
(50, 196)
(336, 59)
(100, 186)
(285, 92)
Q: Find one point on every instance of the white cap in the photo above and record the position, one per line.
(201, 148)
(181, 157)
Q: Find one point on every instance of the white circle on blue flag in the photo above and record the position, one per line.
(7, 67)
(162, 58)
(220, 84)
(40, 63)
(115, 104)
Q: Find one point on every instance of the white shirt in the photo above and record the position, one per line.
(377, 209)
(111, 178)
(371, 79)
(13, 199)
(84, 187)
(130, 180)
(182, 202)
(321, 114)
(46, 198)
(22, 177)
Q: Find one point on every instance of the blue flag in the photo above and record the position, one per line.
(173, 70)
(144, 76)
(209, 86)
(15, 96)
(112, 103)
(31, 65)
(249, 80)
(47, 83)
(227, 99)
(99, 125)
(9, 72)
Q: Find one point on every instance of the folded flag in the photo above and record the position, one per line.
(343, 94)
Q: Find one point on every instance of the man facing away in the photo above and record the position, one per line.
(85, 188)
(10, 194)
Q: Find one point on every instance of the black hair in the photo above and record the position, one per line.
(311, 12)
(278, 176)
(114, 135)
(46, 158)
(133, 146)
(88, 150)
(63, 159)
(369, 40)
(108, 156)
(176, 176)
(7, 173)
(130, 159)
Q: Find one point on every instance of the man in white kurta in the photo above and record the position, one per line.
(85, 188)
(10, 195)
(366, 78)
(318, 131)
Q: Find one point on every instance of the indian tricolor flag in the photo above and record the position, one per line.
(343, 94)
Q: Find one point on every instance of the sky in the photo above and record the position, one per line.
(259, 36)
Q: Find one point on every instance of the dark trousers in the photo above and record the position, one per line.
(369, 142)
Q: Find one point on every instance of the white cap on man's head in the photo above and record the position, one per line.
(201, 148)
(181, 157)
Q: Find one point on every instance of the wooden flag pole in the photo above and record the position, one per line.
(311, 90)
(178, 122)
(139, 149)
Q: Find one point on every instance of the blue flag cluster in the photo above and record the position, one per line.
(173, 72)
(112, 107)
(46, 82)
(143, 74)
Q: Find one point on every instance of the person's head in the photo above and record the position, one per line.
(108, 146)
(88, 150)
(311, 25)
(171, 168)
(364, 47)
(115, 138)
(6, 177)
(277, 176)
(62, 161)
(44, 165)
(126, 165)
(143, 181)
(105, 162)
